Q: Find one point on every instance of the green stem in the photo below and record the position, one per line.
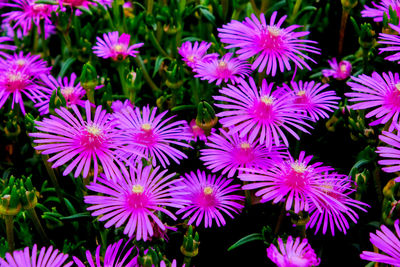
(156, 44)
(139, 63)
(122, 78)
(46, 53)
(280, 219)
(345, 16)
(38, 225)
(10, 231)
(187, 260)
(296, 8)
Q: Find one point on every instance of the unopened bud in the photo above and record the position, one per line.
(206, 118)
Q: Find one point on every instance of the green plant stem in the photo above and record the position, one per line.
(343, 23)
(139, 63)
(46, 53)
(187, 260)
(10, 231)
(122, 78)
(280, 219)
(38, 225)
(156, 44)
(296, 8)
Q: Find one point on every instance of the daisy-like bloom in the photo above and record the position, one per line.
(376, 12)
(272, 45)
(30, 64)
(230, 152)
(16, 82)
(81, 142)
(196, 132)
(339, 71)
(297, 182)
(72, 93)
(193, 54)
(152, 135)
(136, 199)
(114, 256)
(259, 112)
(394, 43)
(49, 30)
(293, 253)
(392, 153)
(222, 70)
(335, 216)
(47, 258)
(27, 12)
(209, 198)
(115, 46)
(312, 99)
(6, 46)
(379, 92)
(386, 241)
(119, 106)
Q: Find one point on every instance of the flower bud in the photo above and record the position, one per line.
(88, 77)
(190, 245)
(57, 100)
(149, 259)
(349, 4)
(366, 39)
(206, 118)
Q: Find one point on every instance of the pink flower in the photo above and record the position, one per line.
(136, 199)
(259, 112)
(81, 142)
(332, 215)
(393, 41)
(72, 93)
(379, 92)
(293, 254)
(115, 46)
(391, 153)
(339, 71)
(208, 198)
(118, 106)
(27, 12)
(114, 256)
(222, 70)
(193, 54)
(230, 153)
(32, 65)
(151, 135)
(271, 45)
(294, 181)
(376, 12)
(196, 132)
(311, 99)
(47, 258)
(388, 242)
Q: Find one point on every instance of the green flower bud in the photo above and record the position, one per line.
(88, 77)
(349, 4)
(190, 245)
(57, 100)
(206, 118)
(149, 260)
(366, 39)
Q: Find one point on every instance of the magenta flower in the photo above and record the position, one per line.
(28, 12)
(30, 64)
(17, 82)
(339, 71)
(376, 12)
(332, 215)
(392, 153)
(271, 45)
(118, 106)
(222, 70)
(6, 46)
(84, 3)
(294, 181)
(196, 132)
(115, 46)
(135, 199)
(209, 198)
(72, 93)
(386, 241)
(47, 258)
(393, 41)
(114, 256)
(260, 113)
(293, 254)
(149, 134)
(82, 142)
(379, 92)
(229, 153)
(312, 99)
(193, 54)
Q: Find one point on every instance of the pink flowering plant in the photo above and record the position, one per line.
(199, 133)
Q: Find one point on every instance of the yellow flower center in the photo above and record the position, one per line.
(118, 48)
(146, 126)
(298, 167)
(222, 64)
(397, 85)
(94, 130)
(138, 189)
(343, 68)
(244, 145)
(20, 62)
(274, 31)
(67, 91)
(267, 100)
(301, 93)
(208, 190)
(191, 58)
